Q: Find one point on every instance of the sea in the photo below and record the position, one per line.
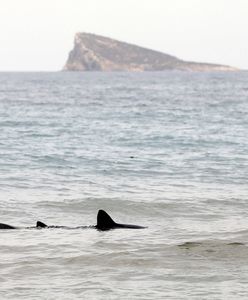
(166, 150)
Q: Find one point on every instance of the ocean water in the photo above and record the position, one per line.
(165, 150)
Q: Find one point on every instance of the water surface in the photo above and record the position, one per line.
(165, 150)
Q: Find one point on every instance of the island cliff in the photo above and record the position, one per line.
(97, 53)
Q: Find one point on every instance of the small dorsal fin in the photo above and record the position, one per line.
(104, 221)
(41, 224)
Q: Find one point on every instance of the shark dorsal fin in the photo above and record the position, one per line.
(41, 224)
(104, 221)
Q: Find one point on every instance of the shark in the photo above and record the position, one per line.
(104, 222)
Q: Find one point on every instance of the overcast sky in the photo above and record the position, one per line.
(38, 34)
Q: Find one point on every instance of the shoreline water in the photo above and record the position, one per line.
(164, 150)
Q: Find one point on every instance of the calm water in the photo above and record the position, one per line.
(165, 150)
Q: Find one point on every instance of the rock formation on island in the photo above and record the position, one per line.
(92, 52)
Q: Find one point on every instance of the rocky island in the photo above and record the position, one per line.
(92, 52)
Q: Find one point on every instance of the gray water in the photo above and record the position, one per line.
(163, 150)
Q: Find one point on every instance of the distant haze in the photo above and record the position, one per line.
(37, 35)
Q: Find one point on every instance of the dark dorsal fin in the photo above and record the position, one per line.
(40, 224)
(104, 221)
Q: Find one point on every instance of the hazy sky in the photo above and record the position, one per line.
(38, 34)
